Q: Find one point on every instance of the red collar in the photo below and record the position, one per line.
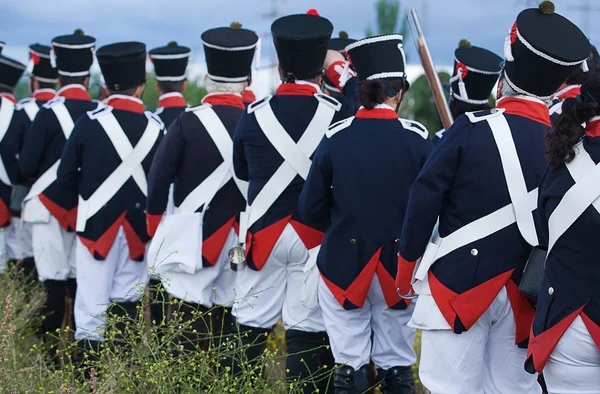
(230, 99)
(9, 96)
(126, 103)
(248, 96)
(44, 94)
(380, 111)
(527, 107)
(593, 127)
(298, 88)
(74, 92)
(174, 99)
(568, 92)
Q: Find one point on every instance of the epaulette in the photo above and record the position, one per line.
(24, 101)
(259, 103)
(480, 116)
(415, 127)
(194, 108)
(159, 110)
(556, 107)
(330, 101)
(155, 118)
(339, 126)
(101, 110)
(440, 133)
(54, 101)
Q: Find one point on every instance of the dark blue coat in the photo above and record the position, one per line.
(256, 160)
(359, 183)
(186, 156)
(44, 145)
(88, 159)
(463, 181)
(572, 275)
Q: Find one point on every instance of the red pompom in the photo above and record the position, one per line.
(36, 59)
(314, 12)
(461, 69)
(513, 33)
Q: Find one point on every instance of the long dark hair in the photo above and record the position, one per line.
(569, 131)
(373, 92)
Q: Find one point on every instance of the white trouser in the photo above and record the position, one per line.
(118, 278)
(265, 296)
(483, 360)
(18, 240)
(208, 286)
(3, 256)
(350, 330)
(574, 366)
(53, 251)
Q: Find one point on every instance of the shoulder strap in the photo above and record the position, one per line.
(7, 109)
(415, 127)
(514, 177)
(64, 118)
(577, 199)
(31, 108)
(339, 126)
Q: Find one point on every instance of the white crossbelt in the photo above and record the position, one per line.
(209, 187)
(296, 157)
(523, 203)
(130, 165)
(583, 194)
(7, 110)
(49, 176)
(31, 109)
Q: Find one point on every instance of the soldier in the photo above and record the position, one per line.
(11, 122)
(106, 161)
(359, 296)
(476, 71)
(271, 139)
(48, 206)
(571, 87)
(195, 155)
(331, 80)
(170, 63)
(565, 341)
(480, 185)
(248, 96)
(42, 87)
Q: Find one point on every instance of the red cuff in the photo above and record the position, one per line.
(404, 275)
(334, 72)
(152, 222)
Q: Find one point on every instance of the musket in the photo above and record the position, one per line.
(430, 72)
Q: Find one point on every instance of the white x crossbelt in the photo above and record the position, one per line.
(66, 124)
(7, 110)
(583, 194)
(130, 167)
(296, 156)
(209, 187)
(31, 108)
(523, 203)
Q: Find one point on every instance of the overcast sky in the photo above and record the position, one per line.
(156, 22)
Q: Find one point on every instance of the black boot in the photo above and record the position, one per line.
(54, 308)
(251, 342)
(88, 355)
(197, 332)
(124, 313)
(72, 291)
(348, 381)
(158, 301)
(396, 380)
(309, 360)
(27, 266)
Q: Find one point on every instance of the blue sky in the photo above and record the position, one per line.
(155, 22)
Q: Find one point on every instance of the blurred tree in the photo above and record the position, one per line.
(388, 15)
(419, 104)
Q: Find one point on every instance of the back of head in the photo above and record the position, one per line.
(301, 42)
(123, 66)
(73, 55)
(170, 63)
(40, 66)
(10, 73)
(579, 76)
(543, 49)
(568, 130)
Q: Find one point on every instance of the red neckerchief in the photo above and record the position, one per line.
(296, 89)
(381, 111)
(527, 107)
(9, 96)
(568, 92)
(230, 99)
(44, 94)
(172, 100)
(593, 128)
(126, 103)
(248, 96)
(74, 92)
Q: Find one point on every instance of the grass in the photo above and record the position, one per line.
(150, 360)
